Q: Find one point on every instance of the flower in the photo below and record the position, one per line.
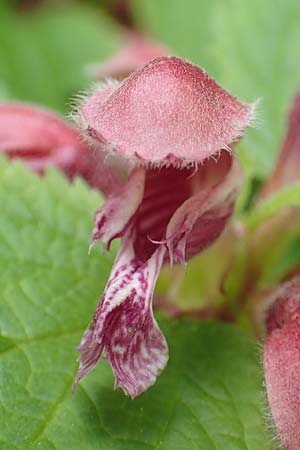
(287, 168)
(136, 51)
(173, 127)
(282, 362)
(41, 138)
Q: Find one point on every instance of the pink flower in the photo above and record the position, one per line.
(287, 168)
(282, 363)
(136, 51)
(172, 126)
(40, 139)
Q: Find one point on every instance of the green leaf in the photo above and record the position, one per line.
(268, 208)
(44, 54)
(185, 27)
(209, 397)
(251, 48)
(281, 260)
(256, 45)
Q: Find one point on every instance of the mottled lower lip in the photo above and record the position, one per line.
(124, 325)
(163, 216)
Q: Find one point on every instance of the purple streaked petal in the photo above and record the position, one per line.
(124, 325)
(162, 215)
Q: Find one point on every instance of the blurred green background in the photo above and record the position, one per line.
(250, 47)
(46, 48)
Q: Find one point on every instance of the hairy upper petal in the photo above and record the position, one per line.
(168, 112)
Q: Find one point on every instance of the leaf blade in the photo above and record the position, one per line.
(208, 397)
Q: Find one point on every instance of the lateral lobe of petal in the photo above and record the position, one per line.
(124, 325)
(186, 208)
(201, 218)
(112, 219)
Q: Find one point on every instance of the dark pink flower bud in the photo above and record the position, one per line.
(287, 168)
(282, 363)
(173, 127)
(121, 10)
(136, 51)
(40, 139)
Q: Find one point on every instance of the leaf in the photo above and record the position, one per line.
(209, 397)
(185, 27)
(46, 60)
(288, 197)
(281, 260)
(251, 48)
(256, 47)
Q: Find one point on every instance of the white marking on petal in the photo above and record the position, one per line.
(124, 325)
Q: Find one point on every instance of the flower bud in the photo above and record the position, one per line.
(40, 139)
(282, 363)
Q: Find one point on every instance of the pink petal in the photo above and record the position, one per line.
(159, 219)
(124, 325)
(114, 217)
(168, 112)
(136, 51)
(282, 363)
(186, 209)
(287, 168)
(201, 219)
(40, 139)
